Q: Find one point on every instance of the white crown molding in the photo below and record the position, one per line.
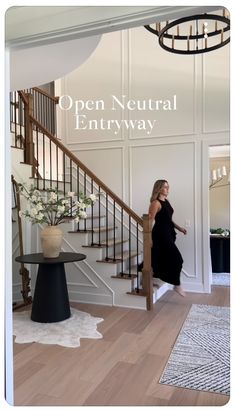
(24, 28)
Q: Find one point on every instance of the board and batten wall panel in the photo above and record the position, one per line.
(132, 64)
(216, 91)
(158, 75)
(107, 163)
(163, 162)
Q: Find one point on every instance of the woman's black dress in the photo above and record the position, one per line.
(166, 259)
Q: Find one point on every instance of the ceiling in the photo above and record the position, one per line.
(30, 26)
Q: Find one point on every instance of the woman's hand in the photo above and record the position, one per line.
(181, 229)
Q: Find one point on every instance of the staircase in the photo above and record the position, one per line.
(114, 239)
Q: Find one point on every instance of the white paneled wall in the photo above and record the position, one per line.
(132, 64)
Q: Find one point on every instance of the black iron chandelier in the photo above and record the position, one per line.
(193, 34)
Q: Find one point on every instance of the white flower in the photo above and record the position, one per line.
(83, 214)
(61, 209)
(33, 212)
(80, 205)
(39, 206)
(53, 197)
(52, 208)
(93, 197)
(39, 216)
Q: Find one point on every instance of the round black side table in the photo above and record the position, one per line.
(51, 300)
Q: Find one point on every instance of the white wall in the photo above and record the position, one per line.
(132, 63)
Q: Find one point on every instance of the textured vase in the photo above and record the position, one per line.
(51, 240)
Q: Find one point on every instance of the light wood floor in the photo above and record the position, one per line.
(123, 368)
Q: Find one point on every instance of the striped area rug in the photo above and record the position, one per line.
(200, 359)
(221, 279)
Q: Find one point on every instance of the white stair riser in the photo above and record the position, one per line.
(95, 222)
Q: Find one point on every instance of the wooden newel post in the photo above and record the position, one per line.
(29, 145)
(23, 271)
(147, 264)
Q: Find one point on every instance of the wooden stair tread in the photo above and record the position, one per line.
(48, 179)
(119, 257)
(141, 293)
(103, 243)
(95, 230)
(18, 148)
(124, 277)
(95, 216)
(102, 229)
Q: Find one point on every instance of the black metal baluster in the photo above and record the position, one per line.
(20, 117)
(37, 157)
(10, 112)
(71, 185)
(37, 106)
(107, 258)
(129, 246)
(15, 131)
(85, 191)
(50, 160)
(122, 241)
(114, 230)
(64, 173)
(55, 118)
(43, 160)
(49, 124)
(44, 121)
(78, 192)
(137, 246)
(34, 105)
(78, 181)
(92, 243)
(99, 216)
(40, 109)
(57, 167)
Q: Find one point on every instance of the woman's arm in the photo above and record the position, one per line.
(154, 208)
(181, 229)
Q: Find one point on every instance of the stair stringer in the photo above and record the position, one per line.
(102, 271)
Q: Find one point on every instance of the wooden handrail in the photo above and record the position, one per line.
(103, 186)
(39, 90)
(24, 97)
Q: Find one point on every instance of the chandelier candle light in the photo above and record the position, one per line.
(217, 175)
(51, 208)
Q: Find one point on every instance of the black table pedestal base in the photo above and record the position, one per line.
(51, 300)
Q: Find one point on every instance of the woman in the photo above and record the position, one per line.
(166, 259)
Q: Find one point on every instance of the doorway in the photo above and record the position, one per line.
(219, 214)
